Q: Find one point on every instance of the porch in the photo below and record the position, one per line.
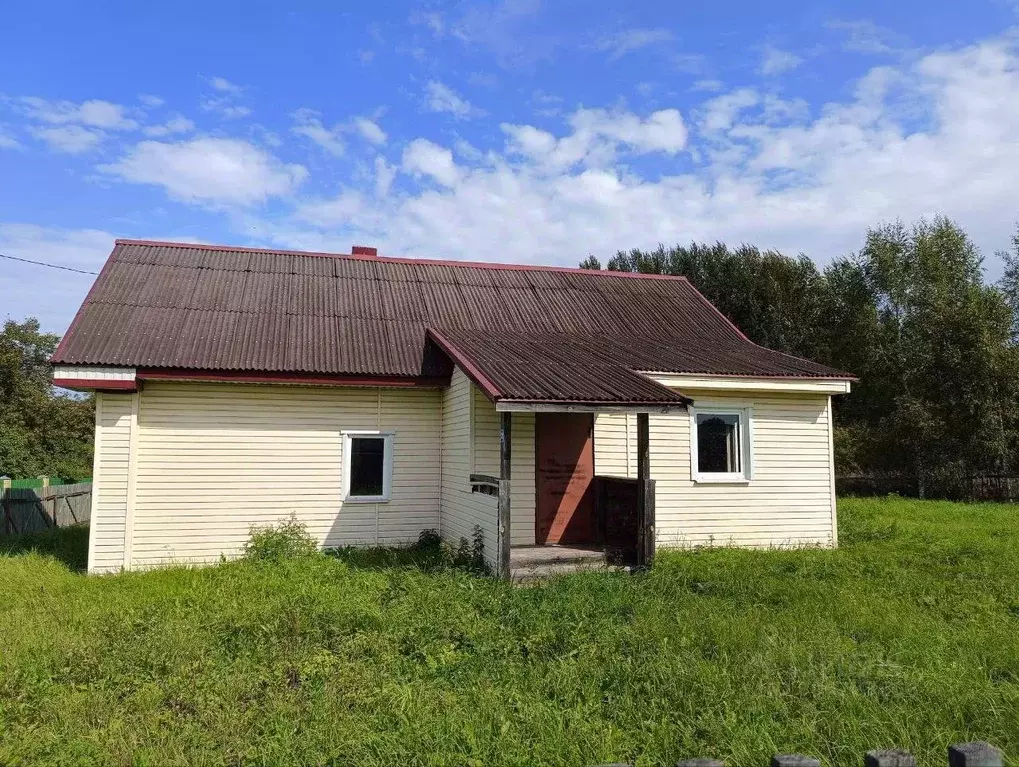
(581, 520)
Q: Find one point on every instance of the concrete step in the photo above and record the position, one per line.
(528, 556)
(543, 571)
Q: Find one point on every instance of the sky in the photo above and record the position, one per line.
(523, 131)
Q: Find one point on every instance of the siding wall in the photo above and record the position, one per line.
(486, 461)
(789, 501)
(462, 510)
(214, 459)
(471, 446)
(211, 460)
(109, 481)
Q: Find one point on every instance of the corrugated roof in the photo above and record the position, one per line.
(551, 367)
(166, 305)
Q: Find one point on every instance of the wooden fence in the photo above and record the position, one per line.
(27, 510)
(975, 754)
(984, 487)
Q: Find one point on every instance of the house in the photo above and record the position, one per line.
(378, 397)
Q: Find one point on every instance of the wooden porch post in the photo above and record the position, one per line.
(505, 422)
(645, 496)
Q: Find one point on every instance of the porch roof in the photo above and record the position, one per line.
(552, 368)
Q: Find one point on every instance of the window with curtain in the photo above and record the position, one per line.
(721, 445)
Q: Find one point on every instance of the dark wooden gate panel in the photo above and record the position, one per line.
(564, 468)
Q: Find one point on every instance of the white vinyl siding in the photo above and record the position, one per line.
(463, 510)
(486, 461)
(522, 500)
(214, 459)
(789, 500)
(465, 405)
(109, 481)
(485, 434)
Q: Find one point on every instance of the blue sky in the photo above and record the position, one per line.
(513, 130)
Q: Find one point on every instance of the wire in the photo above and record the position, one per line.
(51, 266)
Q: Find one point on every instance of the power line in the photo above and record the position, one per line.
(51, 266)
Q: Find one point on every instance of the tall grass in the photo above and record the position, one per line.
(907, 635)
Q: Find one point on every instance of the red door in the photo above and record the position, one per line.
(564, 467)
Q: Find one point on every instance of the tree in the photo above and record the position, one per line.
(944, 362)
(42, 431)
(1009, 282)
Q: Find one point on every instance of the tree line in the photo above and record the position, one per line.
(935, 346)
(42, 431)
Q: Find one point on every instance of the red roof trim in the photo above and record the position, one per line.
(100, 384)
(683, 401)
(233, 376)
(469, 367)
(405, 260)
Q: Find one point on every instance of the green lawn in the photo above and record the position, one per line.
(908, 635)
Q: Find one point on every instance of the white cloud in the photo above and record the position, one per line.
(332, 139)
(69, 139)
(442, 98)
(226, 109)
(384, 176)
(597, 135)
(721, 112)
(49, 295)
(775, 61)
(423, 158)
(310, 126)
(176, 124)
(618, 44)
(93, 113)
(223, 85)
(153, 102)
(209, 170)
(760, 170)
(370, 131)
(227, 101)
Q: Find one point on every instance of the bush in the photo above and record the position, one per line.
(288, 539)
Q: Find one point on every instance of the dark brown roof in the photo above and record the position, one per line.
(543, 367)
(197, 307)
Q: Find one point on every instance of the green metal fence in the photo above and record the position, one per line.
(33, 483)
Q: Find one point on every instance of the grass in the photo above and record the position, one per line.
(908, 635)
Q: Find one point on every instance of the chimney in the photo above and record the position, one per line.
(362, 250)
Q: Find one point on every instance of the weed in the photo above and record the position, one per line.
(287, 539)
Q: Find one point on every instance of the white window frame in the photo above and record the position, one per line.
(387, 466)
(746, 444)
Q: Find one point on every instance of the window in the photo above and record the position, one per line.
(720, 445)
(367, 466)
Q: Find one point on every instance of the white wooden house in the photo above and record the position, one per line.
(379, 397)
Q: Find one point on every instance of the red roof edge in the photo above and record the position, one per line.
(405, 260)
(470, 368)
(97, 384)
(682, 402)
